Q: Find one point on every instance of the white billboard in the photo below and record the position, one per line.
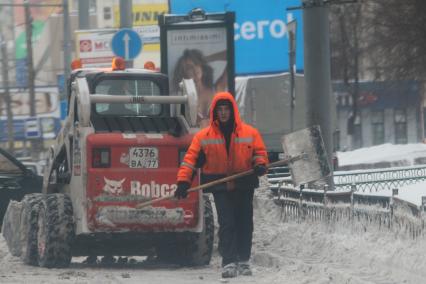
(93, 47)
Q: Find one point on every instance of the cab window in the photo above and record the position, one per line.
(128, 88)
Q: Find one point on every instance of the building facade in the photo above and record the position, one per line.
(388, 112)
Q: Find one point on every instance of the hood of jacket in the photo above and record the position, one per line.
(224, 96)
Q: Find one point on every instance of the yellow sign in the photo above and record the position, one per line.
(143, 14)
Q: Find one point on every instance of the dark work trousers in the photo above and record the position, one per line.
(235, 217)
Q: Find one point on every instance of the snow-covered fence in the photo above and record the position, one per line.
(371, 180)
(362, 211)
(379, 179)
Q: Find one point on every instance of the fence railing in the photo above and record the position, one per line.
(365, 180)
(361, 210)
(380, 179)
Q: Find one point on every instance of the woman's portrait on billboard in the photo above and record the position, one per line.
(193, 64)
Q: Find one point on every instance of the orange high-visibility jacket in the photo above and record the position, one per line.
(246, 148)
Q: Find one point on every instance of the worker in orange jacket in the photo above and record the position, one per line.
(226, 147)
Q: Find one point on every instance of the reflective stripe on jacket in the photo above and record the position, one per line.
(246, 147)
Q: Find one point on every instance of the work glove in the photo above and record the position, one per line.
(182, 189)
(260, 170)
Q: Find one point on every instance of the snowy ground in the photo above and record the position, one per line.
(282, 253)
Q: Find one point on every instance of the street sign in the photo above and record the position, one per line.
(32, 128)
(21, 73)
(126, 43)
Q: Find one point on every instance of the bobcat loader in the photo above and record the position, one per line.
(121, 144)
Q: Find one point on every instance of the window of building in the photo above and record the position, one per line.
(336, 140)
(107, 13)
(357, 137)
(378, 127)
(400, 118)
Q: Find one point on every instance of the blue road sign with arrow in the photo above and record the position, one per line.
(126, 43)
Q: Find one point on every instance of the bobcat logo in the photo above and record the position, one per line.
(114, 187)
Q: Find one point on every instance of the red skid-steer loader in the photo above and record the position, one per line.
(121, 144)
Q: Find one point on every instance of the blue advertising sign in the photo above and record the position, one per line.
(32, 128)
(18, 130)
(21, 73)
(64, 109)
(379, 95)
(126, 43)
(60, 78)
(261, 38)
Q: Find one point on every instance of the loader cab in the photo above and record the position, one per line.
(131, 87)
(129, 84)
(127, 117)
(112, 116)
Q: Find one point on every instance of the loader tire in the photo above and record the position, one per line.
(11, 227)
(55, 231)
(28, 228)
(192, 249)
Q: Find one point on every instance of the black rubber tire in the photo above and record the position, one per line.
(28, 228)
(55, 231)
(191, 249)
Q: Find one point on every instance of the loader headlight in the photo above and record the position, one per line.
(101, 158)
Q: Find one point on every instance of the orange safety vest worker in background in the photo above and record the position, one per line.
(226, 147)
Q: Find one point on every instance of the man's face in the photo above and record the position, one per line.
(223, 113)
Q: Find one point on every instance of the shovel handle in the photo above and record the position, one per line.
(219, 181)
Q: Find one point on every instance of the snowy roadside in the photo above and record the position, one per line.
(282, 253)
(385, 154)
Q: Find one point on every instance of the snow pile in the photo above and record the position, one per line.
(408, 154)
(335, 253)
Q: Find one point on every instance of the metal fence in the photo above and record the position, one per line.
(364, 180)
(364, 211)
(380, 179)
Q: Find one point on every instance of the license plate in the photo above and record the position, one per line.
(143, 157)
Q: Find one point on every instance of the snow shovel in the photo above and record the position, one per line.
(309, 141)
(223, 180)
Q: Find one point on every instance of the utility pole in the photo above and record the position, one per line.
(317, 70)
(126, 20)
(292, 27)
(31, 72)
(6, 94)
(83, 15)
(66, 41)
(30, 65)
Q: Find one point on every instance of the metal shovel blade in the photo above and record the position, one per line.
(315, 165)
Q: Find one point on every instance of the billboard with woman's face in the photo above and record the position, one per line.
(47, 112)
(45, 104)
(198, 50)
